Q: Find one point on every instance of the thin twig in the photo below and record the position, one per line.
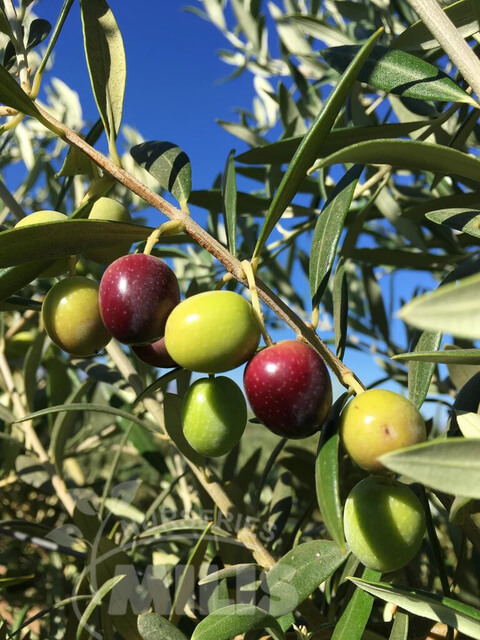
(10, 202)
(22, 58)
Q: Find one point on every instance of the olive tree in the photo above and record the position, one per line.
(358, 170)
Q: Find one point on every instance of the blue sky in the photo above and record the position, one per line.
(173, 90)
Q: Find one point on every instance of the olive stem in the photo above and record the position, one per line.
(257, 310)
(168, 228)
(204, 239)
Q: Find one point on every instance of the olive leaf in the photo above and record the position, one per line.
(168, 164)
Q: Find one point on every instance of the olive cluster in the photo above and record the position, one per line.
(138, 303)
(287, 384)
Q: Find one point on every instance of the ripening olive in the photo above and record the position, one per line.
(384, 523)
(214, 415)
(72, 319)
(60, 266)
(212, 332)
(113, 211)
(376, 422)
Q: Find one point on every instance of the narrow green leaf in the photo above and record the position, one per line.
(420, 372)
(106, 64)
(18, 303)
(247, 203)
(39, 30)
(374, 297)
(354, 619)
(450, 356)
(469, 424)
(453, 308)
(13, 279)
(86, 406)
(408, 154)
(63, 424)
(168, 164)
(12, 581)
(175, 527)
(466, 220)
(228, 622)
(153, 627)
(461, 372)
(247, 23)
(31, 365)
(340, 308)
(418, 37)
(283, 151)
(229, 193)
(231, 572)
(327, 476)
(12, 95)
(404, 259)
(183, 591)
(453, 201)
(422, 603)
(398, 72)
(299, 572)
(400, 627)
(161, 383)
(308, 150)
(98, 596)
(328, 230)
(452, 465)
(63, 238)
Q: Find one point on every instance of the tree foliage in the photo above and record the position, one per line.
(351, 214)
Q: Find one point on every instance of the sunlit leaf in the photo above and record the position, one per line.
(420, 372)
(308, 150)
(283, 151)
(395, 71)
(328, 230)
(299, 572)
(354, 619)
(168, 164)
(456, 356)
(427, 605)
(65, 237)
(466, 220)
(106, 63)
(451, 465)
(229, 193)
(327, 483)
(453, 308)
(153, 627)
(410, 154)
(230, 621)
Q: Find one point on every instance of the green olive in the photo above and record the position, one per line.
(376, 422)
(384, 523)
(60, 266)
(109, 210)
(72, 318)
(214, 415)
(212, 332)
